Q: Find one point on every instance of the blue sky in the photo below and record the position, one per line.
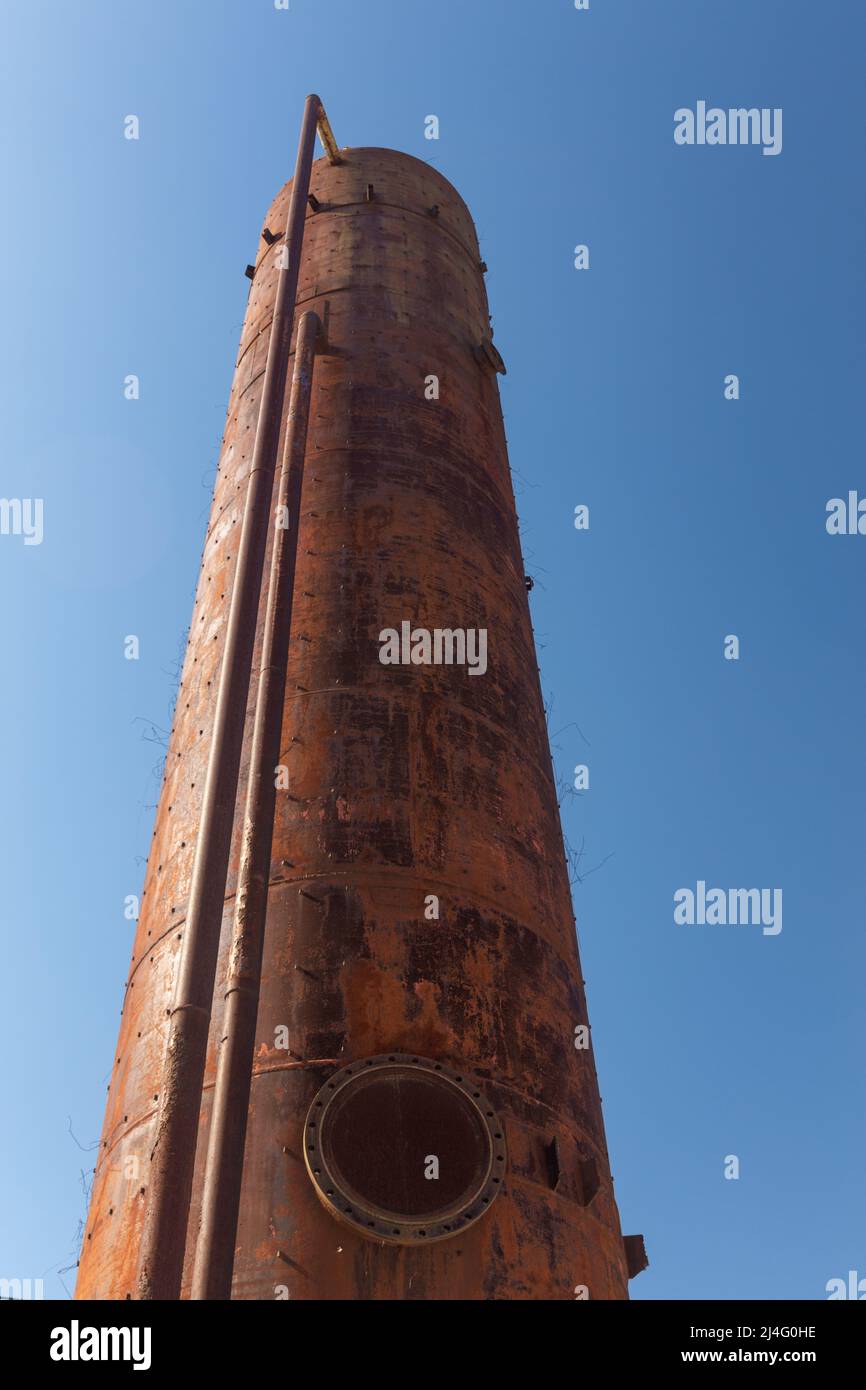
(706, 519)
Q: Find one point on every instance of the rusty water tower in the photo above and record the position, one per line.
(347, 1066)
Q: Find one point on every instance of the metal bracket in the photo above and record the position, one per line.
(636, 1258)
(489, 356)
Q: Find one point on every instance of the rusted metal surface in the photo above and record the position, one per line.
(172, 1158)
(214, 1254)
(405, 782)
(326, 135)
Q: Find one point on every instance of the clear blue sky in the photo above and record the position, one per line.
(707, 518)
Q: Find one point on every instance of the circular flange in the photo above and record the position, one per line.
(403, 1149)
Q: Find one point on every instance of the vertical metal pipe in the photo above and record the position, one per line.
(173, 1153)
(215, 1250)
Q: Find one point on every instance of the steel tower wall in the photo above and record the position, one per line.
(404, 782)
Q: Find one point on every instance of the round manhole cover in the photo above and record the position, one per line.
(404, 1149)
